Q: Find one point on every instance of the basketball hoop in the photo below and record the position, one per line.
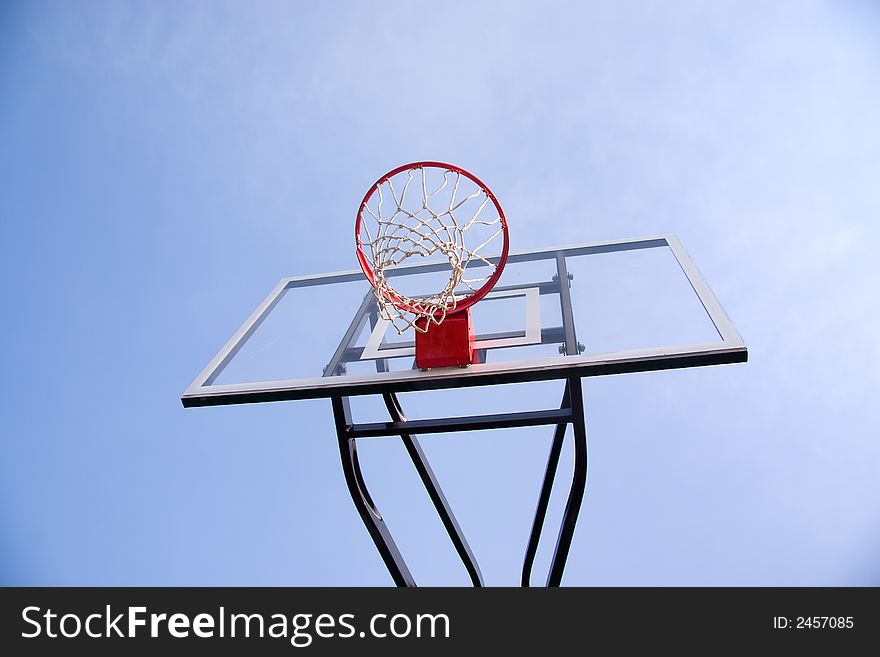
(441, 211)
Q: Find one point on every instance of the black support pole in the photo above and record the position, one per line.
(361, 497)
(546, 489)
(578, 484)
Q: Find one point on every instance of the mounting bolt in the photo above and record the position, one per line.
(581, 347)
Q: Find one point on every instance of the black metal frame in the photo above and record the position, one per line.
(571, 411)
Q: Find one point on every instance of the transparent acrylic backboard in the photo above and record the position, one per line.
(591, 309)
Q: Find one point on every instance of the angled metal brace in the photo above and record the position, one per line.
(572, 399)
(420, 461)
(546, 489)
(578, 484)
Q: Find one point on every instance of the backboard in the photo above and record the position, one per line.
(586, 310)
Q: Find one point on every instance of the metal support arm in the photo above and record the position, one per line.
(361, 497)
(570, 412)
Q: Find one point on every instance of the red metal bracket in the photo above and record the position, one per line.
(446, 344)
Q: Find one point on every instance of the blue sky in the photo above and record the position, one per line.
(163, 165)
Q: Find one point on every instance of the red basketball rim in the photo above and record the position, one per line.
(467, 301)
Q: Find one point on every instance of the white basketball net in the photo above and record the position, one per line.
(425, 224)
